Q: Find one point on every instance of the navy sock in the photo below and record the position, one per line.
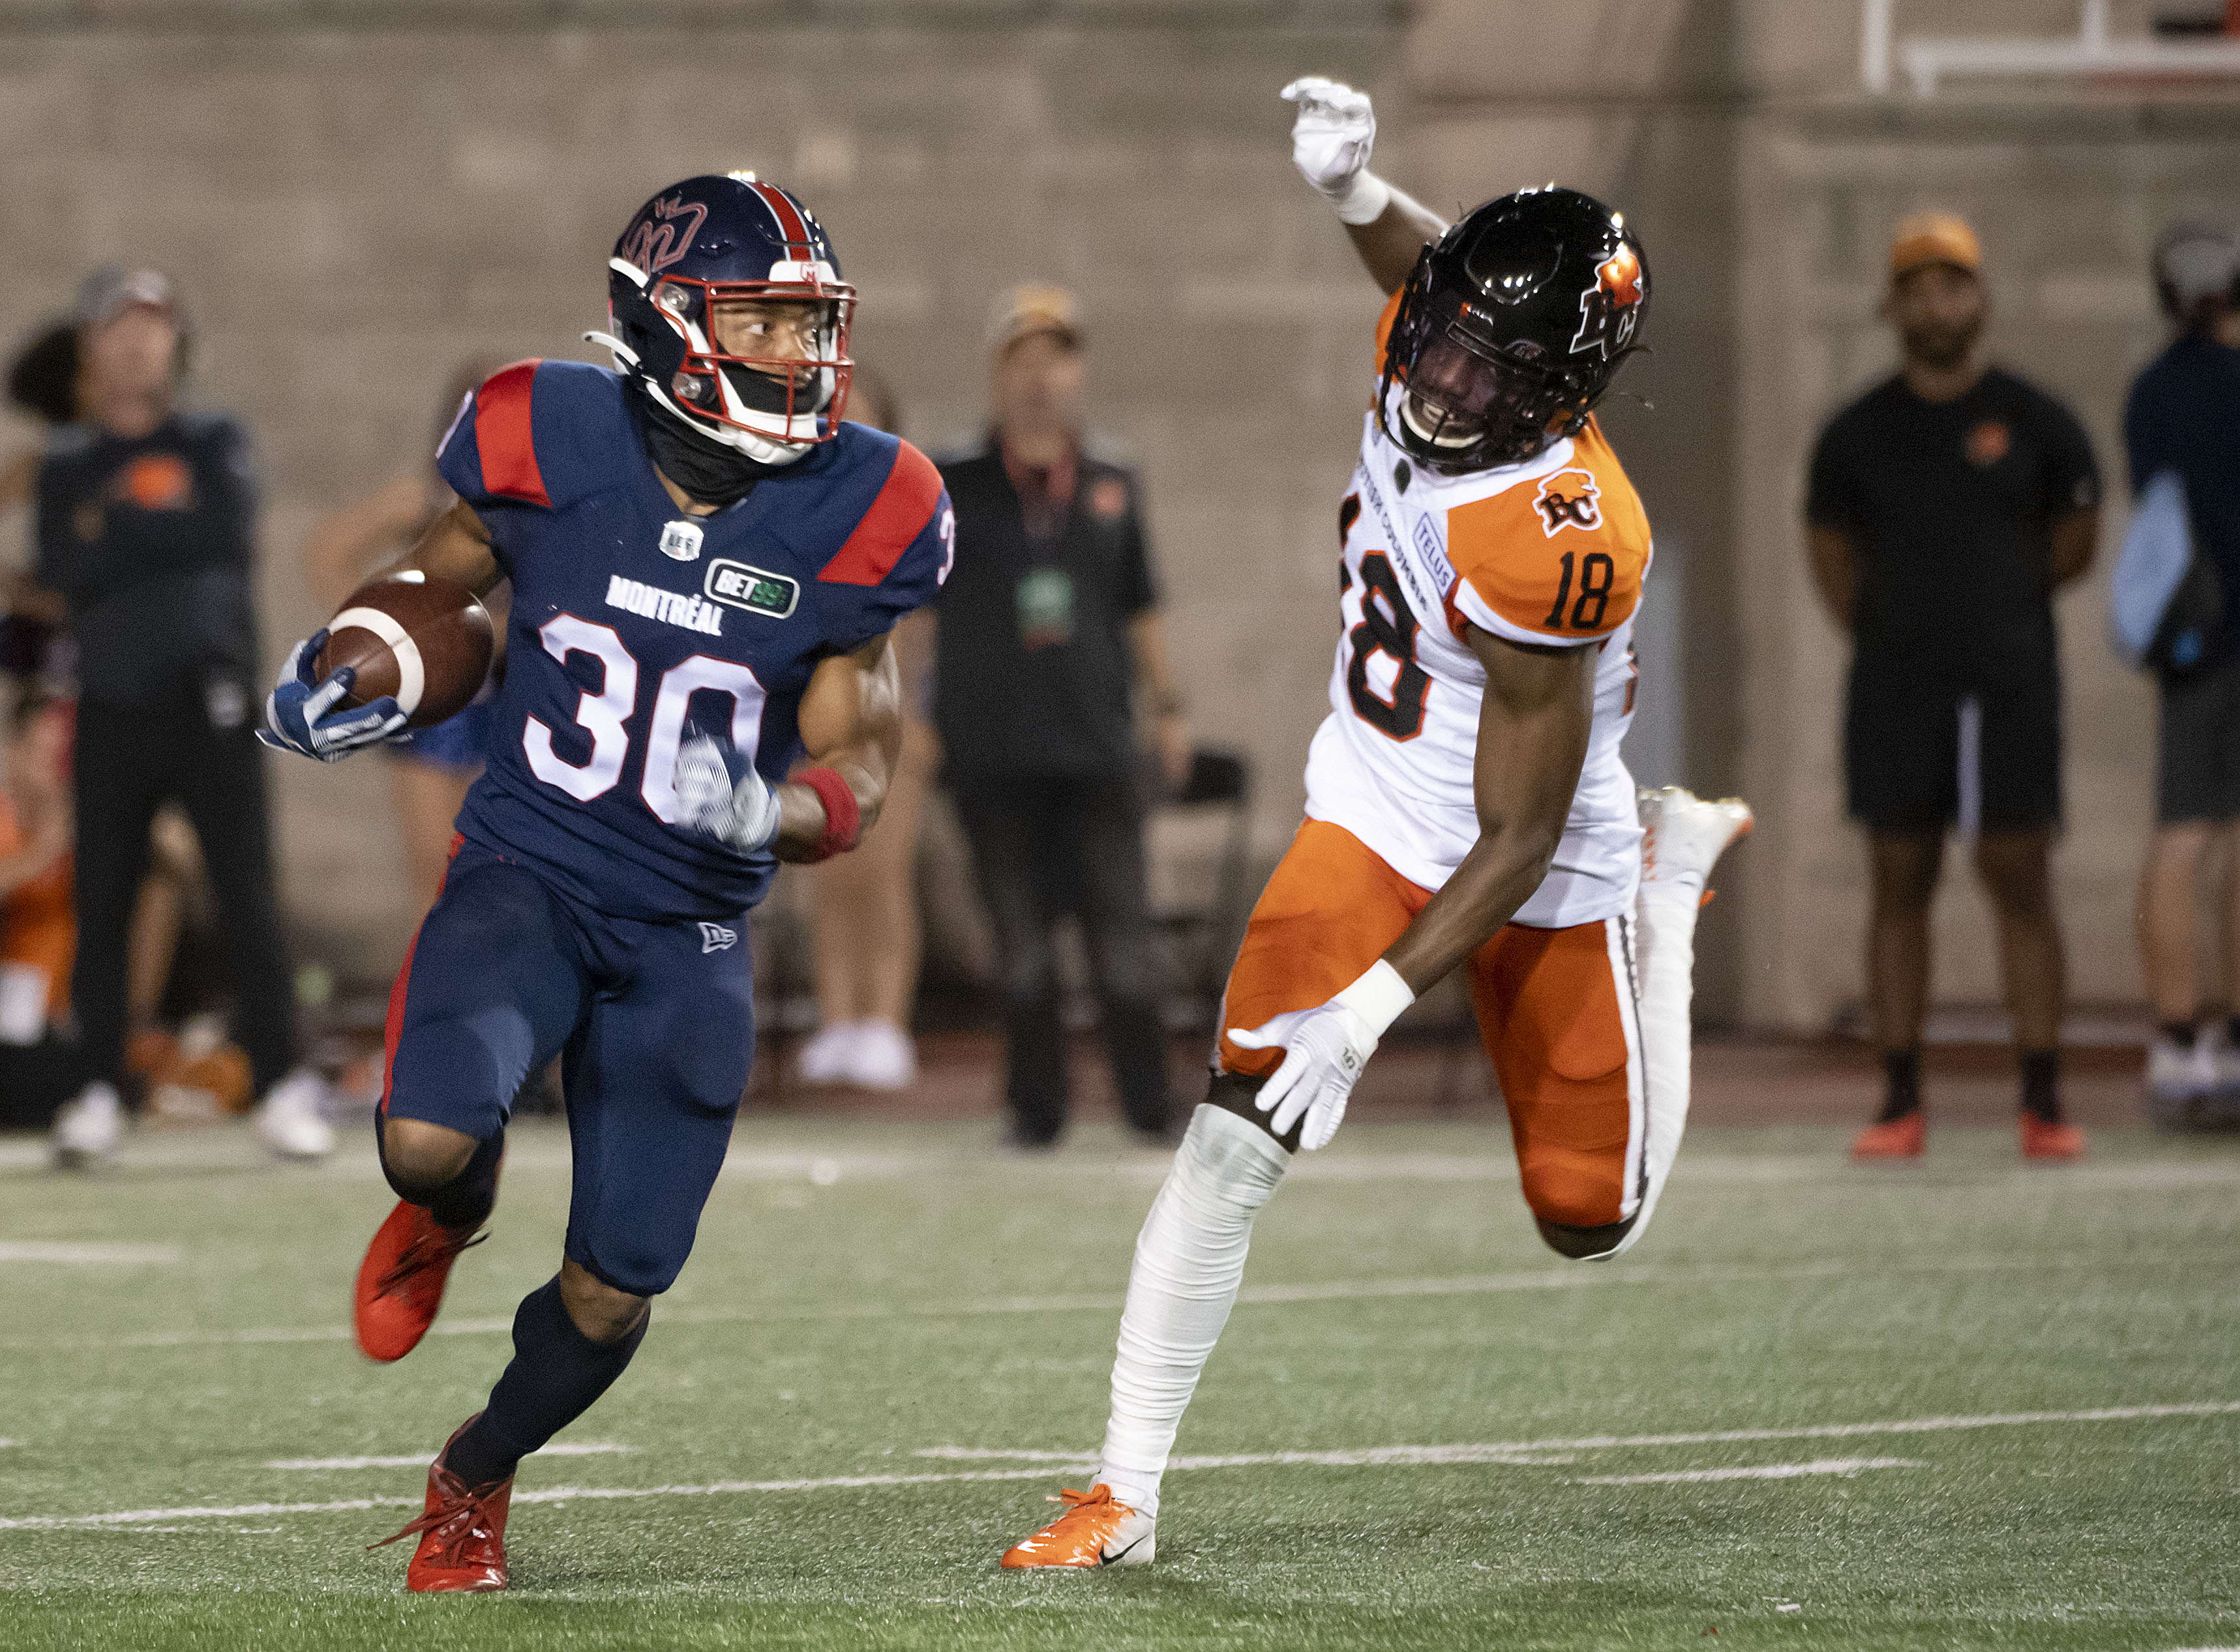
(557, 1374)
(464, 1201)
(2179, 1033)
(1902, 1070)
(2042, 1084)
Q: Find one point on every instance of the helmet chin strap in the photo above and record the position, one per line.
(764, 449)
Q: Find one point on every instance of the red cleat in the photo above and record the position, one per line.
(400, 1283)
(1905, 1137)
(2042, 1140)
(462, 1532)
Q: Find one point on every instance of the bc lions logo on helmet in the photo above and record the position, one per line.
(1609, 310)
(663, 234)
(1569, 499)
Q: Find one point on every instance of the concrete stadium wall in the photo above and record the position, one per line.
(352, 211)
(1734, 134)
(354, 207)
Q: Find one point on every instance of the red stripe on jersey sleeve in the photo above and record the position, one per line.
(503, 436)
(895, 518)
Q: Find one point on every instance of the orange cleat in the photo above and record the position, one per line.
(400, 1283)
(1905, 1137)
(2057, 1142)
(1093, 1531)
(462, 1532)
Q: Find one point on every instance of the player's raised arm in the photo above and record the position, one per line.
(1331, 142)
(1532, 732)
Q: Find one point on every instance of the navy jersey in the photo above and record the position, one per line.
(633, 626)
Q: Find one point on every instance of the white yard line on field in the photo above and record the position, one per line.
(419, 1459)
(1090, 1302)
(72, 1252)
(540, 1150)
(1762, 1471)
(1377, 1456)
(1374, 1457)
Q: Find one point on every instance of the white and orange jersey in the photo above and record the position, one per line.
(1551, 552)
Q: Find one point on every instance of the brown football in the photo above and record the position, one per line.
(422, 639)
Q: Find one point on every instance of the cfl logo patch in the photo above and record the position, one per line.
(714, 937)
(681, 540)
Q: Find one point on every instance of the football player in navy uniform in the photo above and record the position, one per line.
(706, 563)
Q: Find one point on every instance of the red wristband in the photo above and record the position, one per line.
(843, 820)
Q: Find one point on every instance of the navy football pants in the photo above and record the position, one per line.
(653, 1023)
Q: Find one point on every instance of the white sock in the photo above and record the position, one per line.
(1189, 1259)
(1665, 940)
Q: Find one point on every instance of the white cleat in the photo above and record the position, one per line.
(2193, 1086)
(826, 1058)
(883, 1057)
(1683, 835)
(87, 1128)
(2176, 1073)
(291, 1121)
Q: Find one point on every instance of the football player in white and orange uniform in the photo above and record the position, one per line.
(1466, 803)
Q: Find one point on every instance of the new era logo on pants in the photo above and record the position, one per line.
(714, 937)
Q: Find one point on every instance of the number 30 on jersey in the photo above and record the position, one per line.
(604, 715)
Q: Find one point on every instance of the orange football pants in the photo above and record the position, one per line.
(1556, 1016)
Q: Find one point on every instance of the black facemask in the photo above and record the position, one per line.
(708, 471)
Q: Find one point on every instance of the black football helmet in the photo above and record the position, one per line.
(691, 247)
(1511, 329)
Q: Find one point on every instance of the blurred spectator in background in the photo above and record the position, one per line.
(864, 904)
(40, 663)
(2183, 416)
(1945, 507)
(1050, 642)
(431, 771)
(39, 1065)
(145, 517)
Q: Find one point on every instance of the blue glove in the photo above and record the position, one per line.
(719, 792)
(296, 712)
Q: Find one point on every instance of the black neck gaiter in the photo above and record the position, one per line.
(708, 471)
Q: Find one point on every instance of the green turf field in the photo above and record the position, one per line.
(891, 1343)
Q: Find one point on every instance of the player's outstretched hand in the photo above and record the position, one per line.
(718, 792)
(299, 714)
(1327, 1047)
(1331, 138)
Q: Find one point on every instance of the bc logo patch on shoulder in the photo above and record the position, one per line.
(756, 589)
(1569, 499)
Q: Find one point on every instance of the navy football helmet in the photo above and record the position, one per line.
(1511, 329)
(710, 241)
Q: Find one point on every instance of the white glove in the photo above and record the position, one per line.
(1327, 1046)
(738, 808)
(1330, 140)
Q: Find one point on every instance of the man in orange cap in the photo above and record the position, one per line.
(1946, 506)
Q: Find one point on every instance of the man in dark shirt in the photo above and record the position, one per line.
(1049, 629)
(2183, 416)
(1945, 507)
(145, 518)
